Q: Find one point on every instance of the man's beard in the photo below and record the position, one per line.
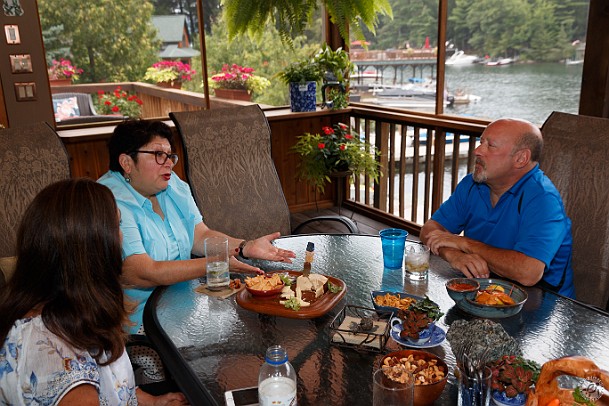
(479, 174)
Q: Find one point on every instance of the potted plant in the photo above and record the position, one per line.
(302, 78)
(237, 82)
(512, 379)
(337, 68)
(339, 150)
(62, 72)
(169, 73)
(118, 102)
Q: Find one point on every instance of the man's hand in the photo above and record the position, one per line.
(470, 265)
(437, 239)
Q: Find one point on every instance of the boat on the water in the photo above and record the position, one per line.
(574, 61)
(460, 58)
(500, 62)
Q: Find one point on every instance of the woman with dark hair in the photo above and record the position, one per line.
(161, 223)
(63, 310)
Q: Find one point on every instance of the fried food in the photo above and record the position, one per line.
(494, 298)
(390, 300)
(262, 282)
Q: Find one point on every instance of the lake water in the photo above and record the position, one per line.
(527, 91)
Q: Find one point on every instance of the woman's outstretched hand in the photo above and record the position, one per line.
(262, 248)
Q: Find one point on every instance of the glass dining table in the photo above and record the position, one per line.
(213, 345)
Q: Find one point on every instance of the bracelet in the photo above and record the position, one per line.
(241, 246)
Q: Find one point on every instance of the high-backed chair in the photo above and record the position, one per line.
(77, 108)
(575, 159)
(231, 172)
(31, 158)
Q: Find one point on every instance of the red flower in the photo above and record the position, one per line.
(342, 147)
(342, 126)
(107, 102)
(115, 109)
(321, 145)
(138, 101)
(327, 130)
(348, 137)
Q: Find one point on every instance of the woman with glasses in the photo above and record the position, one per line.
(63, 311)
(161, 223)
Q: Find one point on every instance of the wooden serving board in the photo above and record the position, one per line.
(271, 306)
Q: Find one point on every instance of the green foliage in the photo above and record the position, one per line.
(267, 56)
(110, 40)
(291, 16)
(335, 61)
(339, 148)
(301, 72)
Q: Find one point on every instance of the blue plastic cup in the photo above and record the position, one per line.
(393, 241)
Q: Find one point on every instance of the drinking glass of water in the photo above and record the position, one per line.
(216, 254)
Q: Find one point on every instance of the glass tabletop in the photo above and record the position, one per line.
(213, 345)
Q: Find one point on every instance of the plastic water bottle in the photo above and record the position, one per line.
(277, 379)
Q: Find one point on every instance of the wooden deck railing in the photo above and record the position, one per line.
(422, 158)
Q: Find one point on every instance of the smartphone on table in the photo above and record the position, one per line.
(242, 397)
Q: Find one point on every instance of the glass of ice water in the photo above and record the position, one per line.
(216, 254)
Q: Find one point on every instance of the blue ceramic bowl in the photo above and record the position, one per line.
(386, 310)
(461, 288)
(481, 310)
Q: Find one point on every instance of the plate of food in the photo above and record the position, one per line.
(301, 297)
(496, 298)
(386, 302)
(434, 336)
(264, 285)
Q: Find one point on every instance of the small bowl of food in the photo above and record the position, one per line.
(386, 302)
(461, 288)
(430, 373)
(496, 298)
(264, 285)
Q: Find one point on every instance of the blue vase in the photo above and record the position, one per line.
(302, 96)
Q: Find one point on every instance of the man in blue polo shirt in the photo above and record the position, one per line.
(511, 215)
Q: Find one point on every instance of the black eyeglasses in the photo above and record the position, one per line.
(160, 156)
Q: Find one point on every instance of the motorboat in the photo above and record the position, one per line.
(500, 62)
(574, 61)
(461, 58)
(461, 97)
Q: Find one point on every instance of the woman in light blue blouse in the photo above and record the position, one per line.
(63, 310)
(161, 223)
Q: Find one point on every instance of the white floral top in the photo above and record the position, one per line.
(39, 368)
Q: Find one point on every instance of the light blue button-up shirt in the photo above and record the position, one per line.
(144, 232)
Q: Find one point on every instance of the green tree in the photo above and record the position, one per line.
(110, 40)
(416, 20)
(267, 56)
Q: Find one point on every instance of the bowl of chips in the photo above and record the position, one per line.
(386, 302)
(264, 285)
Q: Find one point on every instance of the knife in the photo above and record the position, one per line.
(308, 259)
